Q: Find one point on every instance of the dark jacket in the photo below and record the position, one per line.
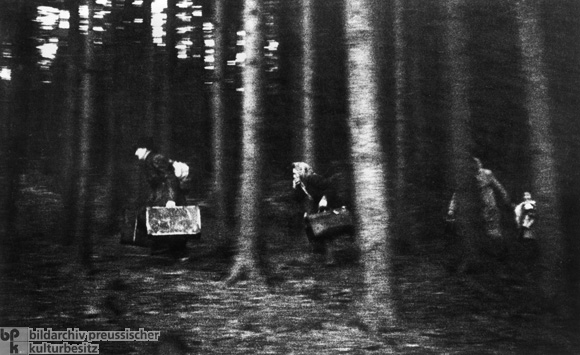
(160, 175)
(335, 188)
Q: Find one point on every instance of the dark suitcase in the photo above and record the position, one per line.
(329, 223)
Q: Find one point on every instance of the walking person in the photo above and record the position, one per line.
(165, 191)
(322, 194)
(525, 214)
(489, 188)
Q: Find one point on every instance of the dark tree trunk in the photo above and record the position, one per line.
(464, 169)
(218, 119)
(84, 227)
(149, 75)
(14, 154)
(544, 174)
(114, 151)
(403, 209)
(199, 121)
(70, 124)
(166, 118)
(401, 124)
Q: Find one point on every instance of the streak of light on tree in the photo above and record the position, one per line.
(369, 164)
(250, 195)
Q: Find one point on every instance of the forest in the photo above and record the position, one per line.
(398, 96)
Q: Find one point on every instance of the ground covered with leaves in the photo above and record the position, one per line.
(305, 306)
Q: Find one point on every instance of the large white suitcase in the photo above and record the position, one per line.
(173, 221)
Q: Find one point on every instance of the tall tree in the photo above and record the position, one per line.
(5, 90)
(70, 123)
(421, 199)
(149, 77)
(428, 130)
(250, 195)
(543, 159)
(200, 121)
(304, 69)
(86, 125)
(306, 146)
(24, 71)
(169, 64)
(112, 188)
(464, 169)
(11, 165)
(218, 117)
(402, 215)
(400, 97)
(113, 198)
(15, 149)
(16, 27)
(368, 160)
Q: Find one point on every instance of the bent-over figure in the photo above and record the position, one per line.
(165, 191)
(322, 193)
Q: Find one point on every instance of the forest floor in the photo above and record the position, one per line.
(305, 307)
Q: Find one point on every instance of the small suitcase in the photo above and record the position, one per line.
(329, 223)
(173, 221)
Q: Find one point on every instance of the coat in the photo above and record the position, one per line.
(164, 185)
(489, 186)
(333, 188)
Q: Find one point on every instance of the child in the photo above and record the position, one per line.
(526, 216)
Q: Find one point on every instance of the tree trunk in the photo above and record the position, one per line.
(250, 196)
(11, 165)
(422, 201)
(420, 172)
(367, 157)
(200, 120)
(305, 131)
(464, 169)
(544, 175)
(218, 119)
(13, 156)
(149, 77)
(403, 212)
(84, 227)
(169, 63)
(115, 192)
(70, 125)
(400, 98)
(114, 198)
(306, 146)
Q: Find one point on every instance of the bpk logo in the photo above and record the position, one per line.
(5, 335)
(13, 341)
